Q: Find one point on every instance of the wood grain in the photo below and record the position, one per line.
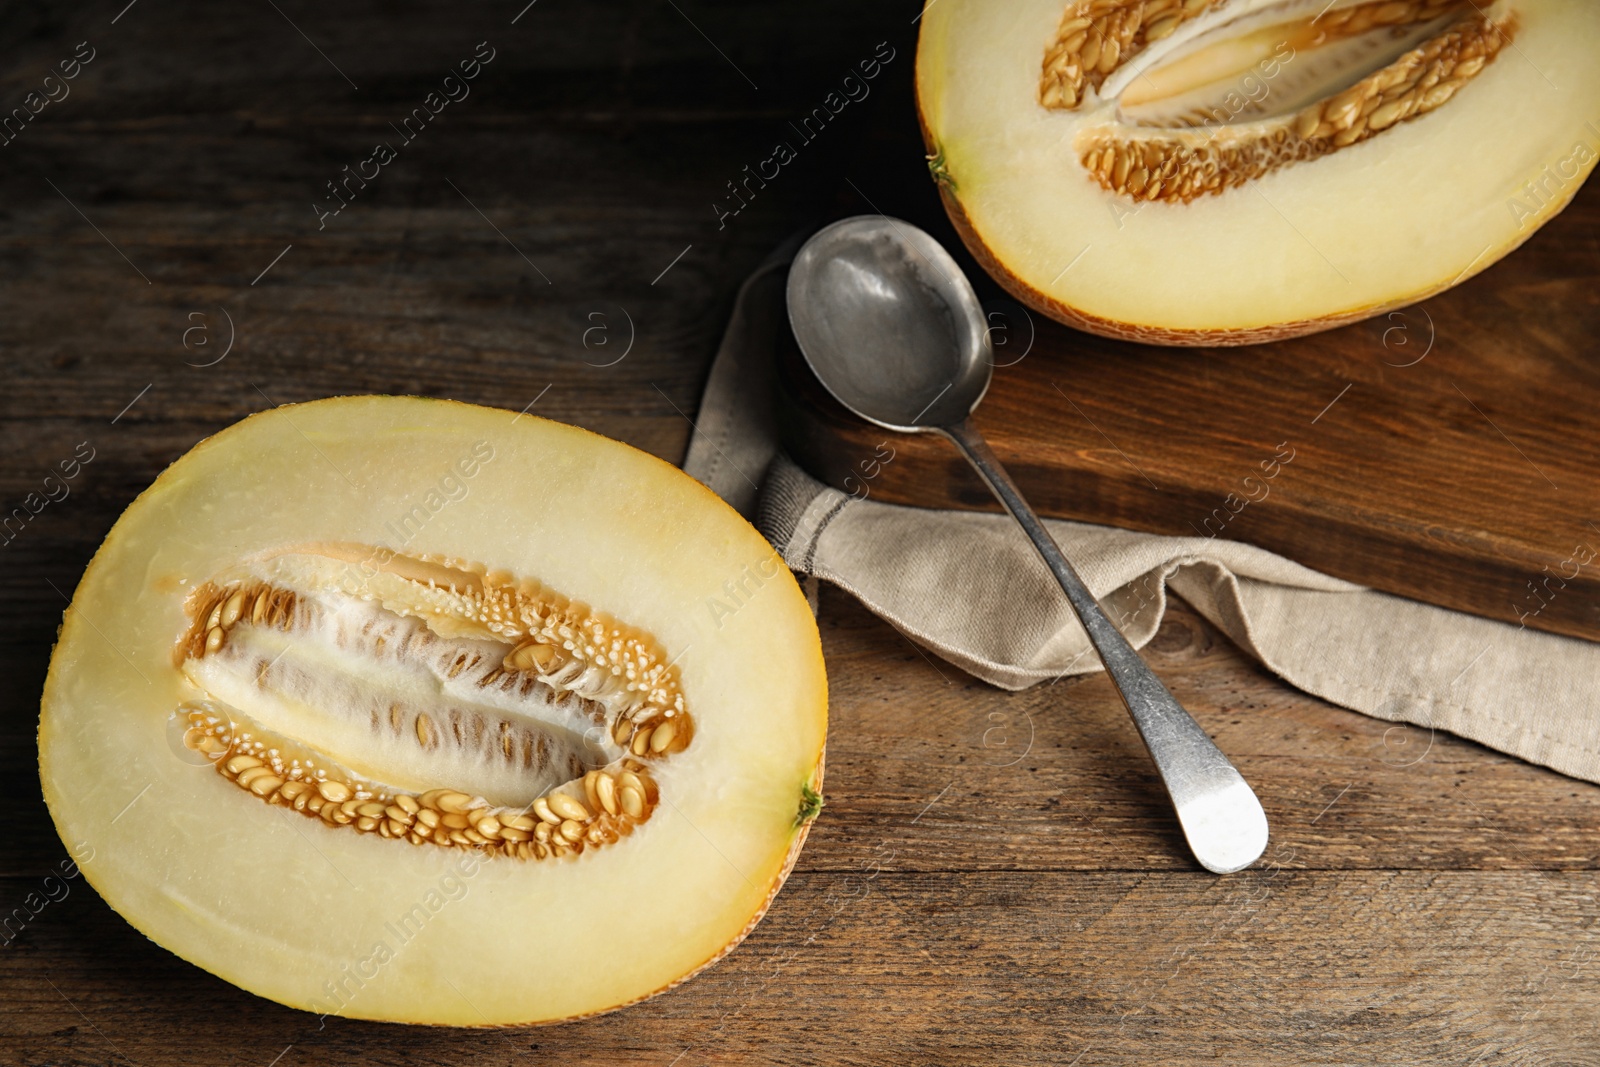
(996, 878)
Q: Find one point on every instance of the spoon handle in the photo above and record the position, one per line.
(1221, 817)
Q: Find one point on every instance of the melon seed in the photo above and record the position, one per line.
(567, 807)
(250, 774)
(241, 763)
(265, 785)
(632, 801)
(606, 793)
(230, 610)
(455, 803)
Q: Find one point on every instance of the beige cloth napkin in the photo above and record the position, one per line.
(970, 588)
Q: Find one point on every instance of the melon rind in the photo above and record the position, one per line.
(1419, 208)
(282, 905)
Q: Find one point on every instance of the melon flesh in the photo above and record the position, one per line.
(1404, 212)
(334, 919)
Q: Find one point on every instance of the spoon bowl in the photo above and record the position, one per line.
(871, 284)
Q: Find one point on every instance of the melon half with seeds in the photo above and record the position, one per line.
(411, 710)
(1232, 171)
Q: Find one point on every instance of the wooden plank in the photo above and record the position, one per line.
(1274, 966)
(1055, 777)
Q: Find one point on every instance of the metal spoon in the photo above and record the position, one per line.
(892, 328)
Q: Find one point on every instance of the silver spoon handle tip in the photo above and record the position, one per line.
(1220, 814)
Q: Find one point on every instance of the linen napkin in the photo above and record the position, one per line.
(970, 588)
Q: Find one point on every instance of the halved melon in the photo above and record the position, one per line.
(411, 710)
(1231, 171)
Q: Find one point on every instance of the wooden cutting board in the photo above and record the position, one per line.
(1449, 452)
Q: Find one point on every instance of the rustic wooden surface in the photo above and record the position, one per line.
(996, 879)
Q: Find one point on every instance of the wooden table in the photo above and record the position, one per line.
(996, 878)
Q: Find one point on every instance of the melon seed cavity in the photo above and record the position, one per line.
(429, 701)
(1195, 147)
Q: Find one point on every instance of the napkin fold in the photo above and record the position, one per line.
(970, 588)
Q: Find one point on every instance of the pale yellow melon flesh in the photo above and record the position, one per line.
(334, 921)
(1420, 206)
